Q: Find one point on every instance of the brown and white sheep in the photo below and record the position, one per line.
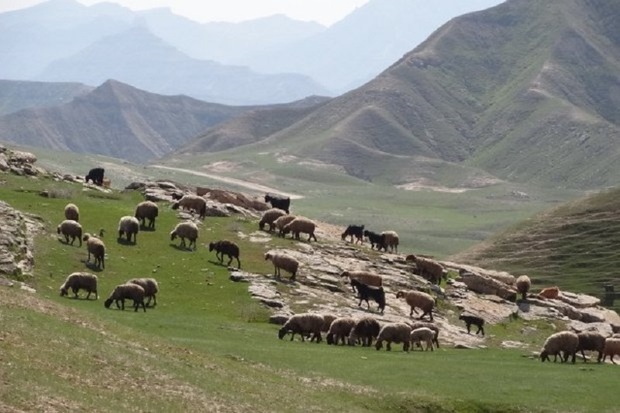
(427, 268)
(96, 247)
(394, 333)
(225, 247)
(194, 203)
(612, 348)
(80, 281)
(563, 342)
(269, 218)
(283, 261)
(418, 299)
(422, 335)
(151, 288)
(281, 222)
(126, 291)
(183, 230)
(300, 225)
(70, 228)
(390, 240)
(339, 330)
(128, 226)
(366, 329)
(72, 212)
(303, 324)
(523, 285)
(147, 210)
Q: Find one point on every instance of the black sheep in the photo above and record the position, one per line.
(279, 202)
(375, 239)
(225, 247)
(471, 319)
(356, 231)
(365, 293)
(95, 175)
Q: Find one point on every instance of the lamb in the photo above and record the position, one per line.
(420, 324)
(128, 226)
(279, 202)
(376, 240)
(80, 281)
(390, 239)
(147, 210)
(612, 347)
(366, 293)
(356, 231)
(225, 247)
(303, 324)
(72, 212)
(95, 175)
(269, 217)
(339, 329)
(563, 342)
(283, 261)
(419, 299)
(549, 293)
(151, 288)
(96, 247)
(194, 203)
(394, 332)
(281, 222)
(422, 334)
(523, 286)
(365, 329)
(475, 320)
(427, 268)
(300, 225)
(186, 229)
(365, 277)
(70, 228)
(125, 291)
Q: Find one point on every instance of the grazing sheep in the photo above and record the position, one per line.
(283, 261)
(147, 210)
(391, 240)
(300, 225)
(269, 217)
(422, 334)
(427, 268)
(328, 319)
(523, 286)
(420, 324)
(563, 342)
(122, 292)
(612, 347)
(80, 281)
(69, 228)
(96, 247)
(281, 222)
(225, 247)
(95, 175)
(549, 293)
(356, 231)
(340, 329)
(151, 288)
(475, 320)
(593, 341)
(186, 229)
(128, 226)
(194, 203)
(365, 329)
(423, 301)
(376, 240)
(365, 277)
(72, 212)
(394, 332)
(279, 202)
(303, 324)
(365, 293)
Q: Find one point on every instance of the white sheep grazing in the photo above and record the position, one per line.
(184, 230)
(427, 268)
(128, 226)
(612, 347)
(147, 210)
(420, 335)
(365, 329)
(339, 329)
(563, 342)
(96, 247)
(303, 324)
(282, 261)
(391, 240)
(523, 285)
(269, 218)
(70, 228)
(432, 326)
(151, 288)
(80, 281)
(365, 277)
(194, 203)
(281, 222)
(300, 225)
(394, 332)
(419, 299)
(126, 291)
(72, 212)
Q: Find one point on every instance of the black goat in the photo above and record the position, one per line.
(95, 175)
(472, 319)
(356, 231)
(375, 239)
(225, 247)
(365, 293)
(279, 202)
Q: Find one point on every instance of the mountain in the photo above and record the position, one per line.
(16, 95)
(116, 120)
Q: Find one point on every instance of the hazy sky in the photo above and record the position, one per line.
(325, 12)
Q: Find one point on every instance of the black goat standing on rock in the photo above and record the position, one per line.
(279, 202)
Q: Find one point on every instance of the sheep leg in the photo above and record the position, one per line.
(480, 329)
(468, 327)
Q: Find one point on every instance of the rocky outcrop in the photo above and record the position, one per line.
(16, 242)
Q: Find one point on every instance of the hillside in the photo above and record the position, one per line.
(17, 95)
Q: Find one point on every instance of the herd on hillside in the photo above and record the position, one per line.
(367, 285)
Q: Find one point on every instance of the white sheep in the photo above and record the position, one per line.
(365, 329)
(428, 268)
(563, 342)
(418, 299)
(592, 341)
(72, 212)
(186, 229)
(147, 210)
(300, 225)
(391, 240)
(96, 247)
(128, 226)
(365, 277)
(420, 335)
(612, 347)
(151, 288)
(340, 329)
(80, 281)
(126, 291)
(269, 218)
(281, 222)
(432, 326)
(194, 203)
(523, 285)
(394, 332)
(303, 324)
(283, 261)
(70, 228)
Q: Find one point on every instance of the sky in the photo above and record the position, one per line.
(325, 12)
